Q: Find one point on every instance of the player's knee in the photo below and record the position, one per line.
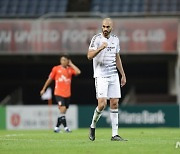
(114, 106)
(114, 103)
(101, 107)
(62, 109)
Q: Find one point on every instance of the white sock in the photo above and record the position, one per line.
(56, 128)
(66, 128)
(96, 116)
(114, 121)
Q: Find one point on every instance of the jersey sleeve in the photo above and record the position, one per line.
(53, 73)
(118, 46)
(73, 72)
(94, 43)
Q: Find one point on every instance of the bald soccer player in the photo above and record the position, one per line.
(104, 50)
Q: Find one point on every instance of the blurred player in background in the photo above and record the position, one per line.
(62, 74)
(104, 50)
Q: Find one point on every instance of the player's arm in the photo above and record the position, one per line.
(47, 83)
(77, 70)
(120, 68)
(92, 53)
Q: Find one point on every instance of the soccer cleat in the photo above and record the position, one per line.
(68, 130)
(92, 134)
(56, 130)
(118, 138)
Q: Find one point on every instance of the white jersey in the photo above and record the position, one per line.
(104, 63)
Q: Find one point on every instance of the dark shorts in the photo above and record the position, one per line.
(62, 101)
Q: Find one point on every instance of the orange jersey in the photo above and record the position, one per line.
(62, 77)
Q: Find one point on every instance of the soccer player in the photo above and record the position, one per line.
(104, 50)
(62, 74)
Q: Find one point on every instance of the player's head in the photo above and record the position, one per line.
(64, 60)
(107, 26)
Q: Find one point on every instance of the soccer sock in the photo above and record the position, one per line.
(96, 116)
(114, 121)
(61, 120)
(58, 122)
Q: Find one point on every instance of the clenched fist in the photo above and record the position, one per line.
(104, 45)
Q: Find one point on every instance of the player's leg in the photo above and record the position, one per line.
(62, 117)
(66, 106)
(114, 119)
(97, 114)
(114, 93)
(62, 108)
(101, 85)
(98, 111)
(114, 115)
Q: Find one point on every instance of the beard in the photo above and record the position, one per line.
(106, 33)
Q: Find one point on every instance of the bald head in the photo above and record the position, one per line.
(107, 21)
(107, 26)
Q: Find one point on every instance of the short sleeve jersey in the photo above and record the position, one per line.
(62, 77)
(104, 63)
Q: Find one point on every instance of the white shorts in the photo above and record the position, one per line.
(108, 87)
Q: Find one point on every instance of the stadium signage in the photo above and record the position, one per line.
(43, 117)
(136, 116)
(2, 117)
(144, 117)
(150, 115)
(73, 35)
(32, 36)
(37, 117)
(156, 35)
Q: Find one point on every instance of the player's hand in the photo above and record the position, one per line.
(123, 80)
(104, 45)
(70, 62)
(42, 92)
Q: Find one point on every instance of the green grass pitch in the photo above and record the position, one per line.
(140, 141)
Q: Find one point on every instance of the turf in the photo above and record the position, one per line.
(140, 141)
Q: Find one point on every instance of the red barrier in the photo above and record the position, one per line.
(73, 35)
